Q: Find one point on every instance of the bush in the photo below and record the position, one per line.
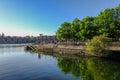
(98, 46)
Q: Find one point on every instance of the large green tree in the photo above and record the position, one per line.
(64, 32)
(108, 23)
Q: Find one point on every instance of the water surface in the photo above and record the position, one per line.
(17, 64)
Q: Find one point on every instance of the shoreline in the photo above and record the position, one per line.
(60, 49)
(78, 50)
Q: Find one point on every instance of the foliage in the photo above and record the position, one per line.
(98, 46)
(64, 32)
(107, 22)
(75, 28)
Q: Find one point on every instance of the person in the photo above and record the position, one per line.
(55, 44)
(77, 43)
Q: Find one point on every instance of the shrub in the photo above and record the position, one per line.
(98, 46)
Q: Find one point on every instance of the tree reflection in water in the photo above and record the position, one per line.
(90, 68)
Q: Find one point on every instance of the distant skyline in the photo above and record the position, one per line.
(34, 17)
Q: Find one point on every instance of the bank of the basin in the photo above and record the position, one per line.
(60, 49)
(64, 49)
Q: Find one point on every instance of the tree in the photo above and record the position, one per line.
(64, 32)
(87, 29)
(108, 23)
(98, 46)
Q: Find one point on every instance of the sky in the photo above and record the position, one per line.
(34, 17)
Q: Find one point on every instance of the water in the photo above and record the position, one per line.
(17, 64)
(13, 45)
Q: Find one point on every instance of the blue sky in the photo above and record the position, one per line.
(33, 17)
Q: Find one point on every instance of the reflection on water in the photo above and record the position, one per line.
(90, 68)
(17, 64)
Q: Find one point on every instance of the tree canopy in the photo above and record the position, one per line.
(106, 22)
